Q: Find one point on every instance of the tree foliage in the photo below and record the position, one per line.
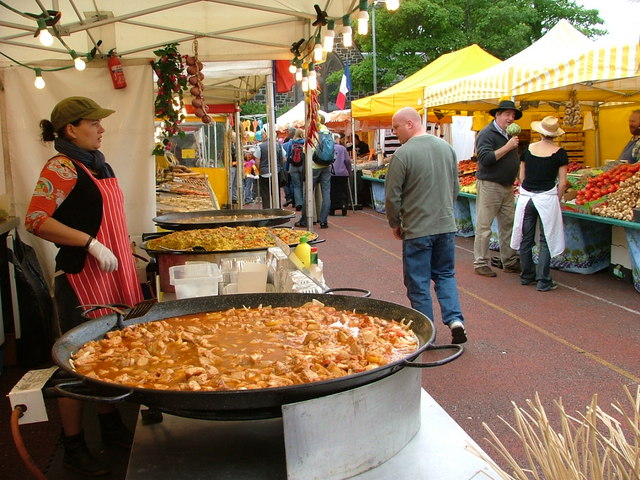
(422, 30)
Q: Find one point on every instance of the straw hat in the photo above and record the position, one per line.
(548, 126)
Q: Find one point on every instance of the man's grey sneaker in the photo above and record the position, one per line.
(547, 288)
(485, 271)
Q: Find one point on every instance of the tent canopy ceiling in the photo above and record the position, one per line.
(226, 31)
(410, 91)
(231, 82)
(483, 90)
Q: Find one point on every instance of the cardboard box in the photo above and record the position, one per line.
(586, 207)
(569, 195)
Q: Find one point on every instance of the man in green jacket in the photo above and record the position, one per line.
(421, 187)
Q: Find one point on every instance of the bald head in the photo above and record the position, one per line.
(407, 123)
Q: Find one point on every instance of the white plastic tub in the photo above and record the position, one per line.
(195, 279)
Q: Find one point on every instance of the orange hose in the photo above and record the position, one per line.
(17, 439)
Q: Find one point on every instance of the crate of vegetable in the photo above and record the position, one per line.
(621, 203)
(606, 183)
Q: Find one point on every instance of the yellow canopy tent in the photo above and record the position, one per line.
(483, 90)
(409, 92)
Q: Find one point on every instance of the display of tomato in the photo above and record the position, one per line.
(606, 182)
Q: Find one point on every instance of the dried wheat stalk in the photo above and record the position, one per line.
(589, 446)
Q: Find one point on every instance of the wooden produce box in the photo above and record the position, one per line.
(572, 145)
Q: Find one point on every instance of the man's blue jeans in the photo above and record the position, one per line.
(297, 177)
(321, 176)
(432, 258)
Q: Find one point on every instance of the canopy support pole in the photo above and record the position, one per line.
(309, 205)
(239, 158)
(353, 161)
(273, 143)
(596, 122)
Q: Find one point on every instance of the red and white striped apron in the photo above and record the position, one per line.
(93, 285)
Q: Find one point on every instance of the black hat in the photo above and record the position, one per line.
(506, 105)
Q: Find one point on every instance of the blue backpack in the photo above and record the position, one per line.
(324, 152)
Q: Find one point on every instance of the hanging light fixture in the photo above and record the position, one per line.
(299, 74)
(329, 36)
(43, 34)
(79, 62)
(363, 18)
(392, 4)
(313, 77)
(317, 49)
(292, 66)
(305, 80)
(39, 82)
(347, 34)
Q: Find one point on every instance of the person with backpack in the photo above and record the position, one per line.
(323, 157)
(295, 160)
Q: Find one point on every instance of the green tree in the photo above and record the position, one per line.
(253, 108)
(422, 30)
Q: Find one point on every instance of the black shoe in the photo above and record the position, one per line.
(300, 224)
(332, 213)
(78, 458)
(298, 208)
(458, 332)
(344, 212)
(324, 225)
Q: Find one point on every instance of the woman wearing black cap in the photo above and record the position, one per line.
(78, 205)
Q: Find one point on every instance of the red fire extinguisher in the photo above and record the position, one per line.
(116, 70)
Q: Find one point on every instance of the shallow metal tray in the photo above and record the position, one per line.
(224, 218)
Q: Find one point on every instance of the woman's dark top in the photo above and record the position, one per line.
(541, 172)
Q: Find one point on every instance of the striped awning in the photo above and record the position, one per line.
(605, 73)
(483, 90)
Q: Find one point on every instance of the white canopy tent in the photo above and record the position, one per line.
(225, 30)
(483, 90)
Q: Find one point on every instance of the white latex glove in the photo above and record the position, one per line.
(107, 260)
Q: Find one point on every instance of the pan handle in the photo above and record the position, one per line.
(365, 293)
(317, 241)
(459, 349)
(61, 391)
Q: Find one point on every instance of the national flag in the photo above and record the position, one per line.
(345, 87)
(285, 80)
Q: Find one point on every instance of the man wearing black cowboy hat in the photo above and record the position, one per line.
(498, 165)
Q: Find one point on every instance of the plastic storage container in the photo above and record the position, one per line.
(195, 279)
